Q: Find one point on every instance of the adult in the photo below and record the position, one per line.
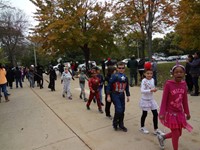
(141, 68)
(109, 62)
(195, 72)
(10, 77)
(3, 82)
(18, 77)
(188, 77)
(133, 69)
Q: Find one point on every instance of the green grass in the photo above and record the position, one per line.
(163, 72)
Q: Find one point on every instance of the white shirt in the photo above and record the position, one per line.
(146, 87)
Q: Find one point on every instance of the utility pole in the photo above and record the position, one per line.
(35, 57)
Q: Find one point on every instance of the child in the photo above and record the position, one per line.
(111, 70)
(94, 83)
(117, 87)
(101, 84)
(82, 78)
(147, 101)
(174, 108)
(66, 80)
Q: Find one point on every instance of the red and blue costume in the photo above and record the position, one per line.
(94, 83)
(117, 87)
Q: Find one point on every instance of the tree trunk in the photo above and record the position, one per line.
(86, 52)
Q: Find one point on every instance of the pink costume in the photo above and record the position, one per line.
(174, 105)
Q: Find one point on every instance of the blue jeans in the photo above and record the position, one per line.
(3, 88)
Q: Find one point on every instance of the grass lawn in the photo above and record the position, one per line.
(163, 72)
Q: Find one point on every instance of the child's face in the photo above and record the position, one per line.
(121, 68)
(178, 74)
(148, 74)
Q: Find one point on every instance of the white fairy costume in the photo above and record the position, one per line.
(147, 101)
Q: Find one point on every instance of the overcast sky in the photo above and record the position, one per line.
(29, 8)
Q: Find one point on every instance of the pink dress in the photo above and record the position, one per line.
(174, 106)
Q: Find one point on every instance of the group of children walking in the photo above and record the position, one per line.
(174, 110)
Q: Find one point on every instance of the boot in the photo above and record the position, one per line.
(6, 98)
(121, 123)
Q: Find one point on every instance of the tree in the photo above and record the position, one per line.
(188, 27)
(65, 25)
(145, 17)
(12, 26)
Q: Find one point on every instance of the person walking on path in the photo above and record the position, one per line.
(10, 75)
(94, 83)
(3, 82)
(174, 109)
(118, 85)
(82, 78)
(52, 78)
(111, 70)
(195, 72)
(141, 68)
(18, 77)
(147, 101)
(133, 69)
(188, 77)
(66, 80)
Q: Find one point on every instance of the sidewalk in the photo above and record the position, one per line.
(38, 119)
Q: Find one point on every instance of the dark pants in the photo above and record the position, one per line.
(107, 106)
(196, 85)
(133, 74)
(119, 103)
(18, 81)
(188, 79)
(155, 118)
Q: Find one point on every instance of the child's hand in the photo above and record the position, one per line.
(188, 117)
(128, 98)
(154, 90)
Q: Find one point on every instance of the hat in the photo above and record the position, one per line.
(177, 65)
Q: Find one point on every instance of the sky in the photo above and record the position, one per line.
(29, 8)
(26, 6)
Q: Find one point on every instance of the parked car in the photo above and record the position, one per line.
(56, 67)
(80, 66)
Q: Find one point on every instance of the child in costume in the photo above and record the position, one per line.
(147, 101)
(82, 78)
(174, 110)
(66, 80)
(94, 83)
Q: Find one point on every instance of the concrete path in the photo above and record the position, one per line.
(38, 119)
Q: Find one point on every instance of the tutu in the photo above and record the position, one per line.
(148, 104)
(176, 121)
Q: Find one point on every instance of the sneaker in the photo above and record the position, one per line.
(70, 98)
(123, 129)
(101, 111)
(63, 95)
(161, 140)
(158, 131)
(88, 107)
(85, 99)
(144, 130)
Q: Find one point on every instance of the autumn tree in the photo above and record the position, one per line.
(12, 27)
(188, 26)
(65, 25)
(145, 17)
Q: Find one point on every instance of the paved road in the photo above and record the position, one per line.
(38, 119)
